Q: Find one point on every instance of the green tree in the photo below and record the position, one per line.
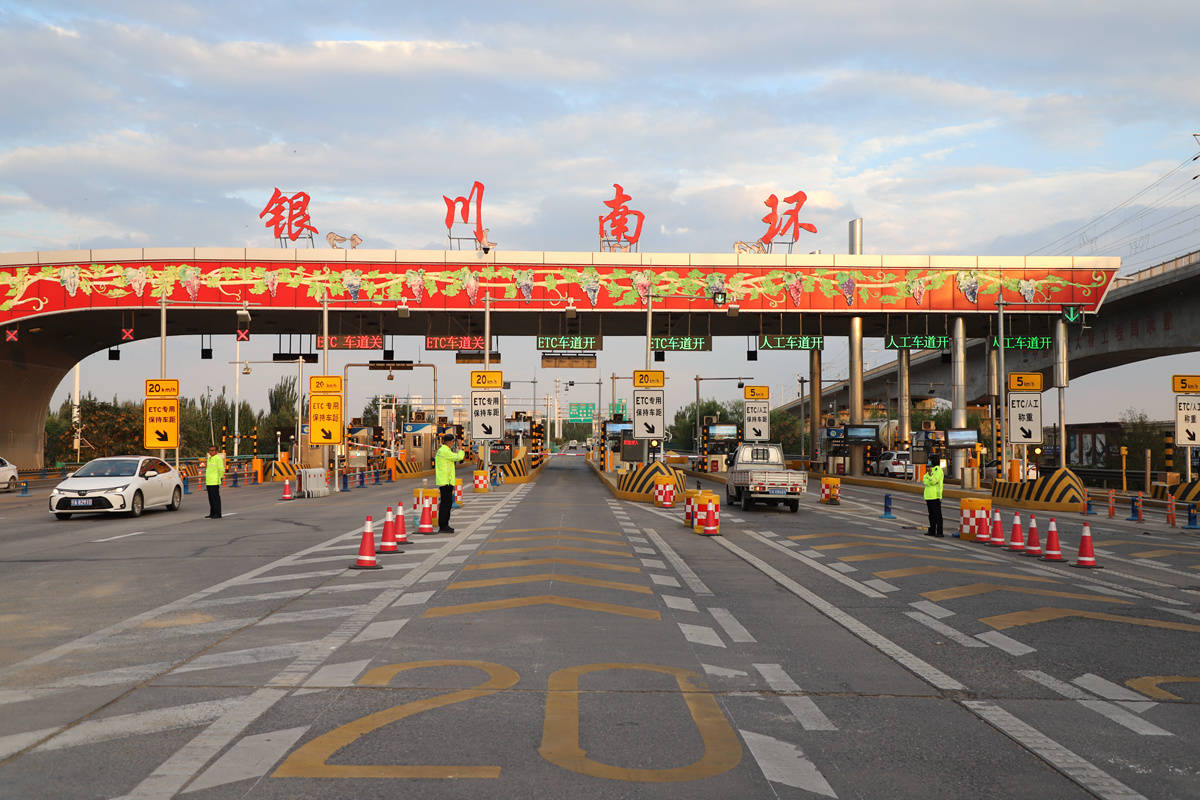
(681, 433)
(1139, 435)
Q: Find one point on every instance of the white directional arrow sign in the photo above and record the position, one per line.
(1187, 420)
(1025, 417)
(757, 422)
(649, 413)
(487, 415)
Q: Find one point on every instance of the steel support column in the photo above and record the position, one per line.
(1062, 379)
(958, 386)
(903, 397)
(814, 402)
(855, 380)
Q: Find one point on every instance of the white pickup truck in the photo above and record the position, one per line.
(757, 473)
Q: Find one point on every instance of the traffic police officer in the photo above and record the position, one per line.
(214, 473)
(933, 498)
(443, 462)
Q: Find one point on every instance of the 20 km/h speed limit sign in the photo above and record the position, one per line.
(1025, 417)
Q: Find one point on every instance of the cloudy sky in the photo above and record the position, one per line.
(950, 127)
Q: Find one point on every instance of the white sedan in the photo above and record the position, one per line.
(8, 475)
(121, 484)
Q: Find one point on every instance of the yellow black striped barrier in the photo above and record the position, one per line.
(1188, 492)
(1061, 490)
(639, 481)
(280, 471)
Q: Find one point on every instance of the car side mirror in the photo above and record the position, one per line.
(70, 474)
(729, 461)
(150, 473)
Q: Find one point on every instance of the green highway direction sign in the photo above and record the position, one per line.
(582, 412)
(618, 407)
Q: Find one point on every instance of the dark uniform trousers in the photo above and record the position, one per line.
(445, 503)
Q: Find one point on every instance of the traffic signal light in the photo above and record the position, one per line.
(1072, 315)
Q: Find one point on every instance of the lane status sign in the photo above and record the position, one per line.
(161, 423)
(756, 426)
(649, 378)
(487, 412)
(1187, 420)
(1024, 417)
(162, 387)
(649, 413)
(325, 419)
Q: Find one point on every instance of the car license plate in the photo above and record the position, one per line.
(779, 491)
(77, 502)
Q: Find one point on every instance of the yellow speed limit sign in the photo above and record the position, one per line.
(1025, 381)
(161, 424)
(1185, 384)
(162, 387)
(487, 379)
(324, 419)
(324, 384)
(758, 392)
(649, 378)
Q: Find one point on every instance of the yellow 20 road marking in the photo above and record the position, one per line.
(542, 600)
(551, 577)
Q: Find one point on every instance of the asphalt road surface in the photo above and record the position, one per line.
(563, 643)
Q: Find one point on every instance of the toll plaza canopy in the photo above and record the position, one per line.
(57, 307)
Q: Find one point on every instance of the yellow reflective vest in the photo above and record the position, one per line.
(443, 464)
(214, 470)
(933, 480)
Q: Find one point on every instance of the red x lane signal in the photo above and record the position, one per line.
(243, 334)
(126, 334)
(10, 334)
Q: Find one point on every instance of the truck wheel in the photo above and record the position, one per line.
(730, 497)
(794, 505)
(747, 501)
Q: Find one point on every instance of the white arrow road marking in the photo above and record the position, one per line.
(783, 762)
(251, 757)
(722, 672)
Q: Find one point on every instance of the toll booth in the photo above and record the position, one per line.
(717, 442)
(420, 442)
(518, 430)
(501, 453)
(615, 432)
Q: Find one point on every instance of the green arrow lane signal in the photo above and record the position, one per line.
(1072, 314)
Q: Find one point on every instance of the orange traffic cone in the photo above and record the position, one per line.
(997, 529)
(711, 528)
(400, 529)
(366, 550)
(1053, 550)
(1016, 542)
(387, 542)
(1032, 546)
(1087, 556)
(287, 490)
(426, 524)
(1016, 528)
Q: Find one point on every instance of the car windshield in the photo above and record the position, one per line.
(115, 468)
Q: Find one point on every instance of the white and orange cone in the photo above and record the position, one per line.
(366, 550)
(400, 529)
(1016, 542)
(1033, 547)
(387, 542)
(426, 523)
(997, 530)
(287, 490)
(1053, 549)
(1087, 556)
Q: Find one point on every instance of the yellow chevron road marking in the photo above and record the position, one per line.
(555, 547)
(540, 537)
(909, 571)
(551, 576)
(1049, 613)
(971, 589)
(539, 561)
(572, 530)
(906, 554)
(844, 545)
(542, 600)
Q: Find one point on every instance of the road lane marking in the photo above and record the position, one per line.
(294, 576)
(653, 563)
(414, 598)
(551, 577)
(689, 576)
(700, 634)
(542, 600)
(881, 585)
(1149, 685)
(1102, 707)
(533, 562)
(1005, 643)
(723, 672)
(907, 572)
(664, 580)
(815, 565)
(1065, 761)
(1016, 619)
(784, 762)
(952, 634)
(912, 663)
(840, 567)
(972, 589)
(114, 538)
(679, 603)
(733, 629)
(559, 537)
(1111, 691)
(250, 757)
(802, 707)
(932, 609)
(436, 577)
(384, 629)
(572, 530)
(337, 676)
(905, 554)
